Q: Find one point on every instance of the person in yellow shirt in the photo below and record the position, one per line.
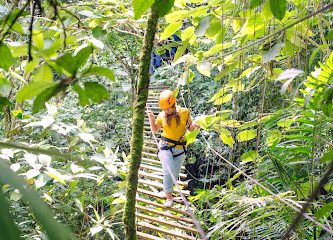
(174, 120)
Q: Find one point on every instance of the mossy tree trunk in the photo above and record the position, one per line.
(137, 125)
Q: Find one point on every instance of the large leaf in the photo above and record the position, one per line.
(95, 91)
(204, 68)
(170, 29)
(191, 136)
(82, 56)
(227, 137)
(43, 79)
(272, 52)
(100, 71)
(328, 156)
(44, 96)
(278, 8)
(163, 6)
(203, 25)
(176, 16)
(289, 74)
(255, 3)
(325, 211)
(66, 64)
(52, 227)
(8, 227)
(6, 59)
(249, 156)
(140, 7)
(273, 137)
(223, 99)
(83, 99)
(4, 86)
(246, 135)
(4, 102)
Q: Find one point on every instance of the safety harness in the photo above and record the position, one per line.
(175, 143)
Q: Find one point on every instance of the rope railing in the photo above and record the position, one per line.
(186, 203)
(298, 210)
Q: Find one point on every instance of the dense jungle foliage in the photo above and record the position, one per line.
(256, 74)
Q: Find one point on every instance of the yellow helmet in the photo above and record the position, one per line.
(167, 99)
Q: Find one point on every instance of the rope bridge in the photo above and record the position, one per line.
(157, 222)
(154, 220)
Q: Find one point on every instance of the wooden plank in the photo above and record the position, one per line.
(153, 149)
(160, 186)
(146, 236)
(154, 155)
(150, 161)
(150, 143)
(165, 214)
(165, 231)
(155, 204)
(181, 175)
(159, 177)
(172, 224)
(156, 161)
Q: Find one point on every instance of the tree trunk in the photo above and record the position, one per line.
(137, 126)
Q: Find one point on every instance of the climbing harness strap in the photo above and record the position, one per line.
(175, 143)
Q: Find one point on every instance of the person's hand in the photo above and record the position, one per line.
(150, 113)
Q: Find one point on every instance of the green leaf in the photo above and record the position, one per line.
(82, 56)
(5, 86)
(98, 32)
(289, 74)
(227, 137)
(140, 7)
(41, 212)
(246, 135)
(285, 123)
(191, 136)
(204, 68)
(214, 28)
(255, 3)
(222, 100)
(170, 29)
(100, 71)
(328, 156)
(278, 8)
(83, 99)
(176, 16)
(316, 51)
(163, 7)
(203, 25)
(95, 91)
(272, 53)
(66, 64)
(6, 60)
(8, 227)
(55, 175)
(329, 35)
(44, 96)
(249, 156)
(325, 211)
(180, 50)
(4, 102)
(42, 80)
(273, 137)
(38, 39)
(266, 11)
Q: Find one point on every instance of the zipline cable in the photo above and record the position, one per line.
(300, 211)
(195, 221)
